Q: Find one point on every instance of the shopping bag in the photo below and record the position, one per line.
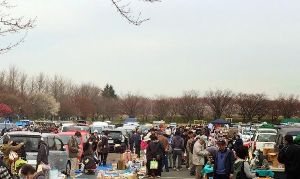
(153, 165)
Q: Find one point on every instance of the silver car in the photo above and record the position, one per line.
(58, 157)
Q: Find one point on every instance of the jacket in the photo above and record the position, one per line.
(246, 174)
(229, 161)
(155, 150)
(177, 143)
(43, 153)
(199, 154)
(290, 156)
(73, 147)
(103, 146)
(6, 149)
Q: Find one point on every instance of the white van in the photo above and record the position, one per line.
(99, 126)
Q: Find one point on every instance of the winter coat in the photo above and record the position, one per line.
(199, 154)
(73, 147)
(290, 156)
(155, 150)
(43, 153)
(164, 141)
(229, 161)
(103, 146)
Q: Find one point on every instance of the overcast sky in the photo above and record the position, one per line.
(246, 46)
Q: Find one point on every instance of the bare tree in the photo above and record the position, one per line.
(174, 108)
(161, 107)
(12, 78)
(12, 25)
(146, 108)
(190, 106)
(288, 105)
(131, 104)
(272, 109)
(125, 11)
(22, 83)
(251, 105)
(219, 101)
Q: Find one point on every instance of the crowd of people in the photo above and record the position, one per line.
(204, 151)
(207, 153)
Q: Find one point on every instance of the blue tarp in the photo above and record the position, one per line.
(219, 121)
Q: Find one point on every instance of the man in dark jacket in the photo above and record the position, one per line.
(136, 139)
(224, 160)
(103, 144)
(238, 142)
(178, 149)
(289, 155)
(43, 153)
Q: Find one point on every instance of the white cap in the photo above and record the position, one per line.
(96, 131)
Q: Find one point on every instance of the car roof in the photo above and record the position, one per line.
(269, 133)
(286, 130)
(72, 133)
(24, 133)
(49, 135)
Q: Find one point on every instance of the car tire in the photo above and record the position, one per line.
(68, 168)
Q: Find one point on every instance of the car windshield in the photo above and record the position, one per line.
(267, 131)
(75, 128)
(115, 134)
(65, 139)
(266, 138)
(31, 142)
(99, 129)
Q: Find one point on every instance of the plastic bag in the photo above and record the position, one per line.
(153, 165)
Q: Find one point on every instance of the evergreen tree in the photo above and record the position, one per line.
(109, 92)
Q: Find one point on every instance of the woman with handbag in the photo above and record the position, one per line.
(155, 153)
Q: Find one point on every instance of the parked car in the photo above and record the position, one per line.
(76, 128)
(117, 141)
(293, 131)
(57, 154)
(264, 140)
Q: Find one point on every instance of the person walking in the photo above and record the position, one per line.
(178, 149)
(199, 154)
(289, 155)
(104, 148)
(155, 152)
(74, 152)
(165, 144)
(224, 160)
(136, 138)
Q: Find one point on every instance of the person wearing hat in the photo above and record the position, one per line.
(199, 154)
(224, 160)
(289, 155)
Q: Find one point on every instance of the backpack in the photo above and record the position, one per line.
(239, 172)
